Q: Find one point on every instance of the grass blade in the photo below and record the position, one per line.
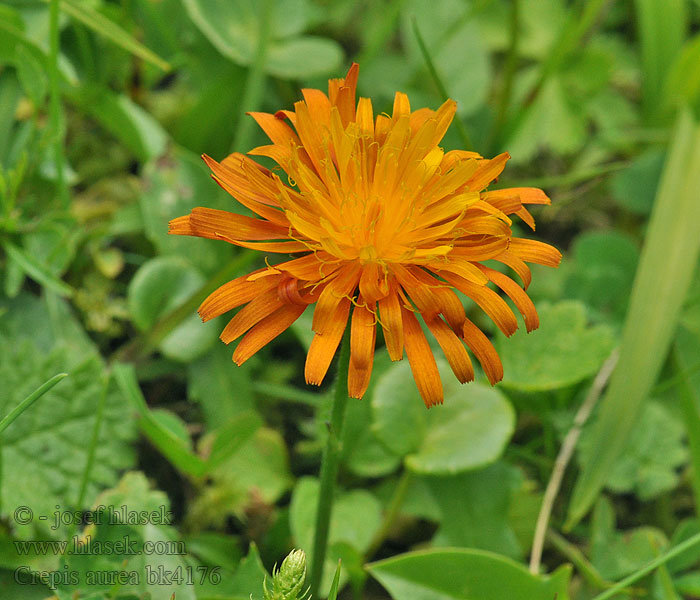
(662, 30)
(662, 280)
(29, 400)
(171, 446)
(109, 29)
(36, 270)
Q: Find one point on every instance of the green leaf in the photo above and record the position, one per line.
(469, 431)
(616, 554)
(355, 519)
(8, 419)
(562, 352)
(248, 579)
(634, 188)
(170, 443)
(474, 509)
(159, 286)
(682, 85)
(233, 27)
(662, 30)
(127, 121)
(671, 248)
(173, 185)
(102, 25)
(36, 270)
(31, 75)
(135, 495)
(45, 450)
(602, 272)
(652, 456)
(465, 575)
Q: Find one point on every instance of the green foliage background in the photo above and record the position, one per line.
(105, 107)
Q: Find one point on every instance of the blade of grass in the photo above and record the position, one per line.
(690, 404)
(255, 81)
(662, 28)
(105, 27)
(9, 418)
(36, 270)
(333, 593)
(438, 82)
(168, 443)
(661, 283)
(653, 565)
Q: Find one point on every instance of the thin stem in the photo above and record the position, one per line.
(565, 453)
(29, 400)
(654, 564)
(509, 68)
(288, 393)
(391, 513)
(329, 468)
(255, 82)
(92, 449)
(55, 102)
(438, 82)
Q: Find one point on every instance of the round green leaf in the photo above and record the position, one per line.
(158, 287)
(460, 574)
(563, 351)
(304, 57)
(469, 431)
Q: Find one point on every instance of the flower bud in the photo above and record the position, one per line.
(288, 580)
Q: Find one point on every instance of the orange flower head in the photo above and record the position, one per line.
(381, 219)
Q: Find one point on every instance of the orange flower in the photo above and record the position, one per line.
(380, 218)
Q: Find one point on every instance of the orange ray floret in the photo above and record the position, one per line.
(384, 227)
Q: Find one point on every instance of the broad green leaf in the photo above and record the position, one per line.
(474, 509)
(222, 390)
(233, 28)
(173, 185)
(652, 456)
(160, 285)
(31, 75)
(562, 352)
(634, 188)
(456, 47)
(616, 554)
(248, 579)
(602, 272)
(671, 247)
(469, 431)
(355, 519)
(135, 495)
(45, 450)
(104, 26)
(684, 531)
(460, 574)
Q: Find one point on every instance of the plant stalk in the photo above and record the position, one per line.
(329, 468)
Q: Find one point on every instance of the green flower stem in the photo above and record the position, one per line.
(329, 468)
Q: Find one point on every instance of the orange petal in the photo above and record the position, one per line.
(323, 346)
(276, 129)
(266, 331)
(215, 224)
(483, 349)
(420, 292)
(453, 348)
(336, 291)
(390, 320)
(517, 264)
(234, 293)
(525, 215)
(517, 295)
(530, 195)
(422, 361)
(251, 314)
(489, 301)
(487, 172)
(372, 283)
(358, 380)
(535, 252)
(363, 334)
